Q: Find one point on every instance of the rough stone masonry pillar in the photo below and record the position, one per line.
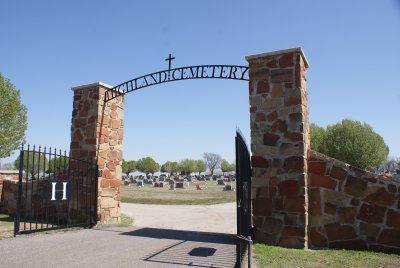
(97, 133)
(279, 144)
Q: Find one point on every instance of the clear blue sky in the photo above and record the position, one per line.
(47, 47)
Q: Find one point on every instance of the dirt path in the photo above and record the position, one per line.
(219, 218)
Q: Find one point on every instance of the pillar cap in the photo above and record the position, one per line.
(92, 85)
(278, 52)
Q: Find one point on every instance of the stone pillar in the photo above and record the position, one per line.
(279, 144)
(97, 133)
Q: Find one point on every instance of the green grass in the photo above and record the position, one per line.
(125, 221)
(213, 194)
(267, 256)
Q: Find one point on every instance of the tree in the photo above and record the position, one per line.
(200, 166)
(128, 166)
(355, 143)
(188, 166)
(212, 161)
(225, 166)
(317, 138)
(56, 164)
(147, 165)
(170, 167)
(34, 163)
(13, 118)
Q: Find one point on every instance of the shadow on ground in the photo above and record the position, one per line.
(201, 249)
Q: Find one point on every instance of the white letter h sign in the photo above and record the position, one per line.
(53, 191)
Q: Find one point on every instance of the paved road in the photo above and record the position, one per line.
(163, 236)
(219, 218)
(119, 247)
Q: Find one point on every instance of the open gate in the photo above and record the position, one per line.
(54, 191)
(243, 201)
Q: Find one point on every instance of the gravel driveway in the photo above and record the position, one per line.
(219, 218)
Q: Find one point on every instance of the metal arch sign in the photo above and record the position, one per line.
(182, 73)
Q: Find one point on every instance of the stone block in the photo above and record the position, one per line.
(393, 219)
(335, 231)
(292, 242)
(317, 239)
(317, 167)
(315, 202)
(355, 186)
(371, 213)
(390, 237)
(272, 225)
(270, 139)
(338, 173)
(294, 204)
(288, 188)
(379, 196)
(294, 164)
(293, 231)
(322, 181)
(336, 198)
(347, 214)
(259, 161)
(262, 206)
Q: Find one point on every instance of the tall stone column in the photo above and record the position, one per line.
(279, 144)
(97, 133)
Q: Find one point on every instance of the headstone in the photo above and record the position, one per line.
(220, 182)
(161, 185)
(162, 178)
(179, 185)
(171, 182)
(134, 181)
(172, 186)
(140, 184)
(198, 187)
(156, 184)
(126, 183)
(228, 187)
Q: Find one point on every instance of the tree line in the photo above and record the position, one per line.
(210, 161)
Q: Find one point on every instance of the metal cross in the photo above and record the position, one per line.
(169, 59)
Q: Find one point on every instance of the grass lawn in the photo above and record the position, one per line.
(6, 226)
(211, 194)
(267, 256)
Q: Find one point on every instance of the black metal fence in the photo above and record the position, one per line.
(243, 200)
(54, 191)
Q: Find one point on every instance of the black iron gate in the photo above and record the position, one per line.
(54, 191)
(243, 201)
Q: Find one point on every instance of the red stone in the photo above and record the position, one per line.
(293, 231)
(393, 219)
(262, 207)
(294, 164)
(114, 107)
(115, 183)
(349, 244)
(336, 231)
(286, 61)
(270, 139)
(279, 125)
(272, 116)
(380, 197)
(338, 173)
(293, 136)
(292, 97)
(272, 63)
(105, 183)
(294, 204)
(317, 239)
(262, 86)
(272, 225)
(288, 188)
(317, 167)
(281, 75)
(380, 248)
(296, 117)
(390, 237)
(262, 192)
(107, 174)
(330, 208)
(355, 186)
(347, 214)
(111, 166)
(371, 213)
(315, 202)
(260, 117)
(259, 161)
(323, 181)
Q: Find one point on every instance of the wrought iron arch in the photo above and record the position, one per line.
(182, 73)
